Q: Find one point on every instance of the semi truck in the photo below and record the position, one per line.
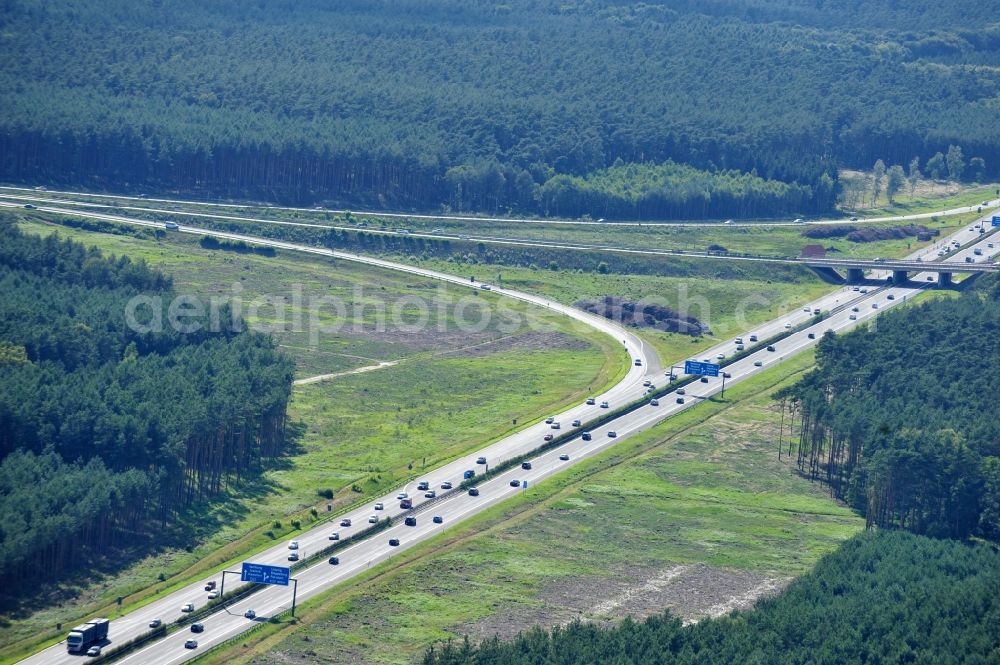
(84, 635)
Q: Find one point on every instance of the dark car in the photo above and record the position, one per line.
(345, 522)
(191, 644)
(811, 335)
(473, 491)
(526, 465)
(564, 457)
(585, 436)
(394, 542)
(438, 519)
(680, 400)
(770, 348)
(547, 437)
(515, 483)
(197, 628)
(481, 460)
(410, 521)
(704, 379)
(334, 561)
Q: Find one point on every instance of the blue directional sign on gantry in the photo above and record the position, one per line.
(996, 220)
(703, 369)
(264, 574)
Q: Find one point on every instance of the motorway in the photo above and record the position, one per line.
(456, 506)
(490, 240)
(991, 203)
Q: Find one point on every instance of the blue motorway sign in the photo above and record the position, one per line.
(704, 369)
(996, 220)
(264, 574)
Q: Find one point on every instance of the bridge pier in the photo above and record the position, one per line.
(899, 277)
(855, 275)
(944, 280)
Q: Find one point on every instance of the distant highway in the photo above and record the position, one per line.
(44, 205)
(994, 202)
(456, 507)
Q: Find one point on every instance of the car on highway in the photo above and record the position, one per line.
(210, 585)
(423, 486)
(406, 504)
(334, 561)
(156, 623)
(480, 460)
(468, 473)
(728, 221)
(853, 317)
(437, 519)
(564, 457)
(704, 379)
(799, 221)
(612, 434)
(680, 400)
(550, 420)
(577, 422)
(345, 522)
(430, 494)
(681, 391)
(250, 614)
(515, 483)
(28, 206)
(293, 545)
(638, 362)
(94, 651)
(758, 363)
(485, 287)
(721, 356)
(811, 335)
(293, 556)
(394, 542)
(197, 628)
(555, 425)
(212, 595)
(446, 485)
(173, 226)
(334, 536)
(187, 607)
(591, 401)
(604, 405)
(473, 491)
(738, 340)
(855, 309)
(740, 347)
(654, 402)
(890, 297)
(373, 519)
(787, 326)
(753, 338)
(854, 219)
(526, 465)
(191, 644)
(548, 437)
(770, 347)
(379, 506)
(402, 495)
(874, 305)
(585, 436)
(410, 521)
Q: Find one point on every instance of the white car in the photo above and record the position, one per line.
(373, 519)
(787, 326)
(334, 536)
(294, 545)
(293, 556)
(402, 495)
(187, 607)
(213, 594)
(647, 382)
(379, 506)
(721, 356)
(758, 363)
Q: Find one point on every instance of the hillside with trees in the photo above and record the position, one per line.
(897, 418)
(600, 107)
(880, 598)
(109, 431)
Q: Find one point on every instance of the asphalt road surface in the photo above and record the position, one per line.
(455, 507)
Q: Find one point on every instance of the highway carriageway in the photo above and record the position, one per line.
(229, 622)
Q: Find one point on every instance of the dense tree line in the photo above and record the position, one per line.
(898, 418)
(880, 598)
(108, 429)
(518, 106)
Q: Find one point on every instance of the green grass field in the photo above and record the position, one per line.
(687, 515)
(452, 390)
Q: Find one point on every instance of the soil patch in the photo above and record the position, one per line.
(643, 315)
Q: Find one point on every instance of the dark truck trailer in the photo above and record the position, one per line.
(84, 635)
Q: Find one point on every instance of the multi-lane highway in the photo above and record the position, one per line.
(457, 506)
(30, 194)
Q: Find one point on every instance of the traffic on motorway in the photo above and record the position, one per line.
(845, 308)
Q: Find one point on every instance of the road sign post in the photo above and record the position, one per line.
(700, 368)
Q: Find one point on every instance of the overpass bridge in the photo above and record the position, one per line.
(829, 269)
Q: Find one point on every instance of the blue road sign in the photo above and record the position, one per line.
(525, 484)
(704, 369)
(264, 574)
(996, 220)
